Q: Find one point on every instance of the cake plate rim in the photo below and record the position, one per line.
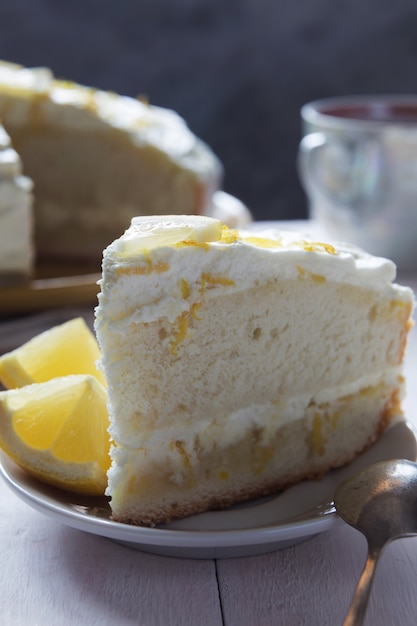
(292, 516)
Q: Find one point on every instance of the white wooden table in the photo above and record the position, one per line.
(56, 575)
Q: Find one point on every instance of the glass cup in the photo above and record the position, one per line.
(357, 162)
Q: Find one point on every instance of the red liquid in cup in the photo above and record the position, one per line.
(375, 111)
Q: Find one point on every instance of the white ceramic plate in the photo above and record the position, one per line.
(260, 526)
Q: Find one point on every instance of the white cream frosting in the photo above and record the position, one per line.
(67, 104)
(16, 250)
(242, 258)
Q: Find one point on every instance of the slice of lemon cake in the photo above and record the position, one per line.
(97, 159)
(16, 219)
(237, 364)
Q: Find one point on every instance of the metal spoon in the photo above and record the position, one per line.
(381, 502)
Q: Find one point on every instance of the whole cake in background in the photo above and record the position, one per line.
(97, 159)
(237, 364)
(16, 219)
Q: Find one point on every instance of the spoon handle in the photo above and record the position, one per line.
(357, 609)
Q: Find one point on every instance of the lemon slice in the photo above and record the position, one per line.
(70, 348)
(57, 431)
(155, 231)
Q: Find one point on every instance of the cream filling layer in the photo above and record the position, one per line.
(174, 443)
(147, 286)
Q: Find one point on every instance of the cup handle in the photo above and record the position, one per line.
(347, 173)
(309, 145)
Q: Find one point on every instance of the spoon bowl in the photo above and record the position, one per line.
(380, 502)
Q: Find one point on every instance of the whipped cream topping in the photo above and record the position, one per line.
(10, 165)
(35, 92)
(16, 253)
(143, 277)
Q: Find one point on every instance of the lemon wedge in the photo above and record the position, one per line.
(57, 431)
(69, 348)
(156, 231)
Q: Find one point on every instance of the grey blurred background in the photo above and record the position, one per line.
(238, 71)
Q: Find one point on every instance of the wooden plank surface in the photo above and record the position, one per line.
(53, 574)
(311, 584)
